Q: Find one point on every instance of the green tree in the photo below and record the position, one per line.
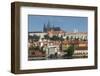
(67, 37)
(36, 38)
(61, 38)
(55, 38)
(70, 51)
(30, 37)
(71, 37)
(46, 36)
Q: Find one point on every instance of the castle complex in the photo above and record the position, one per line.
(51, 30)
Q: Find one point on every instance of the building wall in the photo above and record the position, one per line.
(41, 34)
(79, 35)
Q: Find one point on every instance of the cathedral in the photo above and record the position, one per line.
(48, 27)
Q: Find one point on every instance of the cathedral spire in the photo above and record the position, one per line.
(75, 30)
(48, 24)
(44, 28)
(53, 25)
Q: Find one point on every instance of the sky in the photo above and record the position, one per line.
(66, 23)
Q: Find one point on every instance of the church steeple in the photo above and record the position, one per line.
(47, 27)
(53, 26)
(44, 28)
(48, 24)
(75, 30)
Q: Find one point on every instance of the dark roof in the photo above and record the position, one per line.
(55, 28)
(36, 32)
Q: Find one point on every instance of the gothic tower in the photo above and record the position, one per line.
(44, 28)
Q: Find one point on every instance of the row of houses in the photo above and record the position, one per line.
(59, 47)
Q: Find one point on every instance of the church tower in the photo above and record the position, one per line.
(48, 25)
(44, 28)
(75, 30)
